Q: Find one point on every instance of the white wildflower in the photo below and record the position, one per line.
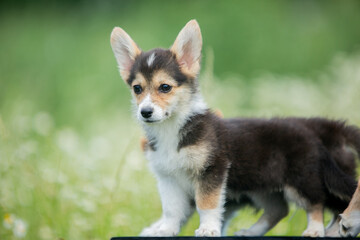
(87, 205)
(100, 147)
(68, 193)
(26, 149)
(68, 140)
(80, 222)
(21, 124)
(20, 228)
(43, 123)
(8, 221)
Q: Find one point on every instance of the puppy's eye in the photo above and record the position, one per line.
(137, 89)
(165, 88)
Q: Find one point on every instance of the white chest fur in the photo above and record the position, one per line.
(167, 160)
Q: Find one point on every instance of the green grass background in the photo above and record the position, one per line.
(70, 161)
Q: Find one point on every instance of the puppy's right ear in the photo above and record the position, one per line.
(125, 51)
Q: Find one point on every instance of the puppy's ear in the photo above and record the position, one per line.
(187, 48)
(125, 50)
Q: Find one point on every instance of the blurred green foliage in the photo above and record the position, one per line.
(59, 54)
(70, 165)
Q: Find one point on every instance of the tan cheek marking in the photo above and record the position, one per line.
(140, 97)
(206, 201)
(162, 99)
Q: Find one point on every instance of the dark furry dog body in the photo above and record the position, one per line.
(217, 165)
(279, 159)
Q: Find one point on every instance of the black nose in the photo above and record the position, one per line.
(147, 112)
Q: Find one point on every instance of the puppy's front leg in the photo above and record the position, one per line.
(176, 206)
(210, 206)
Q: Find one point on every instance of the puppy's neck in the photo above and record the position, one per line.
(168, 130)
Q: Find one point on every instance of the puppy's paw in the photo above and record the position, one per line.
(246, 233)
(204, 231)
(159, 231)
(146, 232)
(314, 232)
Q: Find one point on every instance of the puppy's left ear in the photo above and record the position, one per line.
(187, 48)
(125, 51)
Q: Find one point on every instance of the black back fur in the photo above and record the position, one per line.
(308, 155)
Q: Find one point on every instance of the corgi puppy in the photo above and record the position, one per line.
(213, 165)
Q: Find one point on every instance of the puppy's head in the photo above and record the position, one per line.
(162, 81)
(349, 223)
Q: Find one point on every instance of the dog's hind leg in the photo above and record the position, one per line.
(275, 208)
(332, 229)
(230, 210)
(315, 226)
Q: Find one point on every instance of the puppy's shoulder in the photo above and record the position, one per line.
(198, 129)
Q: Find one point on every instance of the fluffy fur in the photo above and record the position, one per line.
(216, 165)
